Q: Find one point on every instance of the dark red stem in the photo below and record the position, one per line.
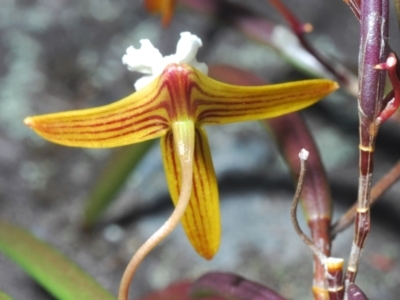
(390, 107)
(355, 7)
(334, 268)
(373, 52)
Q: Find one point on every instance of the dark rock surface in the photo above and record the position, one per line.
(58, 55)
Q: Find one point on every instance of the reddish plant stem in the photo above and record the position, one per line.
(299, 29)
(390, 107)
(377, 190)
(373, 51)
(291, 135)
(389, 97)
(355, 7)
(334, 268)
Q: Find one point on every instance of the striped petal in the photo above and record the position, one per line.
(220, 103)
(138, 117)
(201, 221)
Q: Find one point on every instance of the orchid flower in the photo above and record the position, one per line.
(173, 101)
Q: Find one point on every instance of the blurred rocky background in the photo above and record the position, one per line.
(62, 54)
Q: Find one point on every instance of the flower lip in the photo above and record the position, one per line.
(149, 61)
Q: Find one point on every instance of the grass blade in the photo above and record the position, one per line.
(51, 269)
(4, 296)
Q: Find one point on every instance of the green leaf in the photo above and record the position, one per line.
(114, 175)
(59, 276)
(4, 296)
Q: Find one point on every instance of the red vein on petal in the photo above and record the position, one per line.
(125, 109)
(59, 138)
(235, 111)
(67, 123)
(172, 155)
(196, 204)
(203, 201)
(46, 128)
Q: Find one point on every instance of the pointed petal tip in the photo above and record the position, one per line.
(335, 86)
(330, 85)
(206, 251)
(28, 121)
(209, 256)
(209, 248)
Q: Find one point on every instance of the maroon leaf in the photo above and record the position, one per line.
(176, 291)
(232, 287)
(291, 134)
(355, 293)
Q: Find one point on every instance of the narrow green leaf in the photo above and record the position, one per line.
(4, 296)
(114, 175)
(59, 276)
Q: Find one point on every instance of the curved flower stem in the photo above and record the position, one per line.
(333, 267)
(184, 143)
(291, 133)
(303, 155)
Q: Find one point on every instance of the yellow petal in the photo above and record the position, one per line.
(201, 221)
(138, 117)
(220, 103)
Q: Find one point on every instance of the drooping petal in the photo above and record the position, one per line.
(138, 117)
(201, 221)
(219, 103)
(184, 133)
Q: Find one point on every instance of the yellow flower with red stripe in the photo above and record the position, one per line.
(173, 101)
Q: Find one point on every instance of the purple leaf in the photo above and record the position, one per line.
(355, 293)
(232, 287)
